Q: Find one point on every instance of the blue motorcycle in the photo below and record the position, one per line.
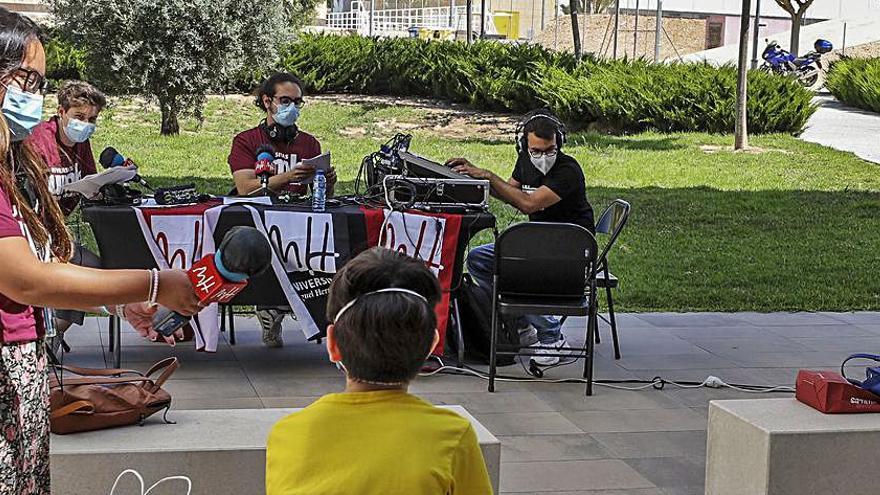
(807, 69)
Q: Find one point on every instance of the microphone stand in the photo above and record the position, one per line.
(264, 189)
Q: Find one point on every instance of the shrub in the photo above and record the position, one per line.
(856, 82)
(64, 61)
(619, 95)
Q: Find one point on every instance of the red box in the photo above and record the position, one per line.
(830, 393)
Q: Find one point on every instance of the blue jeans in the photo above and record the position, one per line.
(481, 266)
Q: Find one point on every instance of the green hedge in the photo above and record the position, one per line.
(622, 96)
(856, 82)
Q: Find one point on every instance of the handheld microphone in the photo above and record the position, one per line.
(111, 158)
(219, 277)
(264, 168)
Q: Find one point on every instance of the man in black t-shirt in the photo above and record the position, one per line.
(548, 186)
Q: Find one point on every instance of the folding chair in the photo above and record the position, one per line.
(544, 268)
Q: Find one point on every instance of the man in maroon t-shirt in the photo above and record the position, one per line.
(63, 140)
(63, 143)
(281, 97)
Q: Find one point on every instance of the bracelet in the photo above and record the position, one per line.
(120, 311)
(154, 287)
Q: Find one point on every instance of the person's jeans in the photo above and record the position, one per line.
(481, 266)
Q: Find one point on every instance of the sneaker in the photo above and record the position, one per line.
(560, 347)
(270, 321)
(528, 335)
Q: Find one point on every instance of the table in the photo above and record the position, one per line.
(121, 241)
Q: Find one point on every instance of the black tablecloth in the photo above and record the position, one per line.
(121, 241)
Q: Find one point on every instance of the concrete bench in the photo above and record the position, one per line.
(783, 447)
(222, 451)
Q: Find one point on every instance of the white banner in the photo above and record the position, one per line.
(304, 241)
(418, 236)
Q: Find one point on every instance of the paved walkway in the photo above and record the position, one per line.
(845, 128)
(554, 439)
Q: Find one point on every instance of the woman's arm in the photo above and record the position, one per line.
(27, 280)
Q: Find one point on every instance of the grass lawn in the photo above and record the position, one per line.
(796, 227)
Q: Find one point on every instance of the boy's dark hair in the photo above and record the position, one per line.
(543, 127)
(384, 337)
(79, 93)
(270, 85)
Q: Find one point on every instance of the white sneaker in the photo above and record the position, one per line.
(559, 347)
(528, 335)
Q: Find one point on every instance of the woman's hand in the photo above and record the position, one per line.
(176, 292)
(140, 316)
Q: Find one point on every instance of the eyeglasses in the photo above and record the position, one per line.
(539, 153)
(30, 80)
(298, 102)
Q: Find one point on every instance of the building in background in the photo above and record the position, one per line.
(31, 8)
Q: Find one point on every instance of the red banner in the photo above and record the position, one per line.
(432, 238)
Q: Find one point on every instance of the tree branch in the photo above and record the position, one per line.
(787, 6)
(804, 5)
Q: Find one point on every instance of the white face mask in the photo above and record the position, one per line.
(544, 164)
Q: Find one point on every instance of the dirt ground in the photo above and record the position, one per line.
(445, 120)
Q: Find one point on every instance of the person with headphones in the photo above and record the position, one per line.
(281, 98)
(548, 186)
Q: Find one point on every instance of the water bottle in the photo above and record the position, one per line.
(319, 192)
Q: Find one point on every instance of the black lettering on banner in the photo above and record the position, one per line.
(390, 237)
(180, 254)
(303, 259)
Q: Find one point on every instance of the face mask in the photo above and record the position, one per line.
(544, 164)
(286, 115)
(79, 131)
(23, 111)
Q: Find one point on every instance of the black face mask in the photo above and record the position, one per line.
(279, 133)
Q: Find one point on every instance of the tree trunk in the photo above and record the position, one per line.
(741, 139)
(796, 33)
(170, 110)
(575, 28)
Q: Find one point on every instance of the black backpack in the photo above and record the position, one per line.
(475, 311)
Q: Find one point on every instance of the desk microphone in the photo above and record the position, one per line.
(264, 168)
(111, 158)
(219, 277)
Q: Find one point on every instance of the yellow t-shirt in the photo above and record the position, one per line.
(382, 443)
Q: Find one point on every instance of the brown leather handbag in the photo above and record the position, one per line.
(95, 399)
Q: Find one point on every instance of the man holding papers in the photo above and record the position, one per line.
(281, 98)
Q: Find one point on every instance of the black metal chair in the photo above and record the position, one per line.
(544, 268)
(611, 223)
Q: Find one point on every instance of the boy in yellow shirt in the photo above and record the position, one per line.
(375, 438)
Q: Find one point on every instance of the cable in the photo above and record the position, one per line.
(657, 382)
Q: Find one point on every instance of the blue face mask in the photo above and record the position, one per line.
(79, 131)
(23, 111)
(286, 115)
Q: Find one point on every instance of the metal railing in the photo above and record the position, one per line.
(399, 21)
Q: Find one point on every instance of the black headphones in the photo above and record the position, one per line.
(522, 143)
(278, 133)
